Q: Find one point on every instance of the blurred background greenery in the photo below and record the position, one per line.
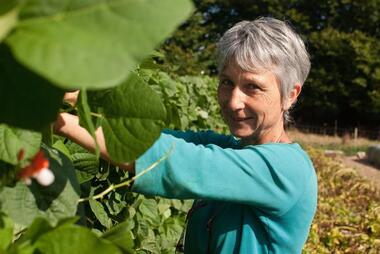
(342, 37)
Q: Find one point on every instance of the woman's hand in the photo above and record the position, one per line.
(64, 123)
(71, 97)
(67, 125)
(62, 120)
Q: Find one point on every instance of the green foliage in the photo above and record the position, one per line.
(341, 36)
(80, 44)
(65, 237)
(48, 47)
(120, 117)
(8, 17)
(191, 101)
(38, 101)
(347, 219)
(342, 82)
(122, 236)
(6, 231)
(12, 140)
(73, 239)
(84, 113)
(24, 203)
(130, 221)
(15, 142)
(91, 44)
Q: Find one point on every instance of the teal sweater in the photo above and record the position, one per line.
(254, 199)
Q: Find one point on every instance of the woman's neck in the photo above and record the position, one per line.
(265, 137)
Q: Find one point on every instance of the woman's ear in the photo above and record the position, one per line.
(292, 97)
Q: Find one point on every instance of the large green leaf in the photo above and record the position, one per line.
(26, 100)
(12, 140)
(74, 239)
(39, 227)
(133, 118)
(92, 44)
(59, 200)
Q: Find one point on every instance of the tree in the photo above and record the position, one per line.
(342, 38)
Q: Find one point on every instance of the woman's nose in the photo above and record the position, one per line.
(236, 101)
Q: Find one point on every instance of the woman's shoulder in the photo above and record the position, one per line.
(204, 137)
(287, 156)
(276, 149)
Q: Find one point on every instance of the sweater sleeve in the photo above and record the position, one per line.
(205, 138)
(269, 177)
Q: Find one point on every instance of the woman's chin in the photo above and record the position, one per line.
(241, 133)
(242, 129)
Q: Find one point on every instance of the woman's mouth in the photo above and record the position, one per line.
(241, 119)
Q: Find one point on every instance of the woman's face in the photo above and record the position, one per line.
(250, 103)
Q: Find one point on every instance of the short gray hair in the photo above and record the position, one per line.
(266, 43)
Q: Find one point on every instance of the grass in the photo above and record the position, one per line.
(347, 145)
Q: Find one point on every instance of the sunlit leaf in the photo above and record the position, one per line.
(133, 117)
(92, 44)
(8, 16)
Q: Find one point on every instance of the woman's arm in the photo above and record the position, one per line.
(67, 125)
(271, 177)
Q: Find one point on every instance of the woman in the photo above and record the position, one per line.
(254, 194)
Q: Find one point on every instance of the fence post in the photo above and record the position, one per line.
(356, 133)
(336, 128)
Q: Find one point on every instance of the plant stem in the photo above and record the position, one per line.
(96, 115)
(75, 108)
(127, 183)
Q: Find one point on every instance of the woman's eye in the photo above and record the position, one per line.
(252, 87)
(226, 82)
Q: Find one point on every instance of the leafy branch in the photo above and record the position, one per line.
(128, 182)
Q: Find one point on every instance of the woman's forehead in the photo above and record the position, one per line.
(252, 66)
(264, 77)
(233, 69)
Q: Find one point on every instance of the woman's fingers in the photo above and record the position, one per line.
(63, 123)
(71, 97)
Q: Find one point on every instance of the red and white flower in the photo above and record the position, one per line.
(37, 169)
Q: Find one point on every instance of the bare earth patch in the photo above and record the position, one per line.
(363, 168)
(339, 148)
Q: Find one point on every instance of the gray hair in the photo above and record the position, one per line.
(266, 43)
